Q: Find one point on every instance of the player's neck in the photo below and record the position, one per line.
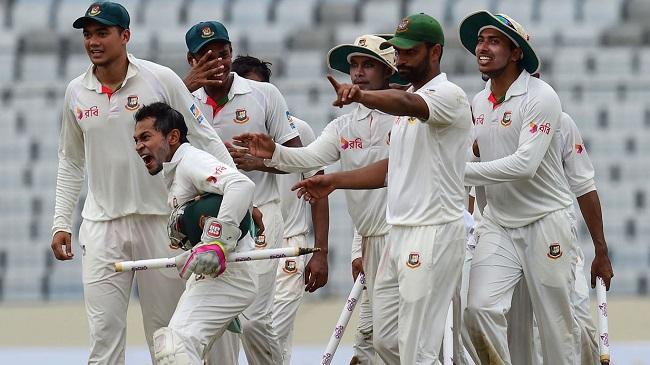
(113, 74)
(500, 84)
(219, 92)
(434, 71)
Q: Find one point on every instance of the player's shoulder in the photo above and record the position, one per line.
(265, 88)
(304, 129)
(149, 68)
(541, 90)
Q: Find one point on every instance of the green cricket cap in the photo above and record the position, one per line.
(105, 12)
(414, 30)
(203, 33)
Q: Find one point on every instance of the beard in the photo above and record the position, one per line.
(415, 74)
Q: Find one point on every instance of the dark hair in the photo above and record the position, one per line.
(430, 45)
(165, 119)
(243, 65)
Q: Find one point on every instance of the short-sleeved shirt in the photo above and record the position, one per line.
(521, 162)
(97, 138)
(427, 158)
(357, 139)
(295, 212)
(252, 107)
(578, 169)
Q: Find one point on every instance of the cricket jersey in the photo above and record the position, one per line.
(357, 139)
(578, 169)
(294, 210)
(252, 107)
(521, 161)
(97, 140)
(427, 158)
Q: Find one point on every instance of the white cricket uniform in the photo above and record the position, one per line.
(357, 139)
(426, 200)
(209, 304)
(290, 281)
(579, 172)
(124, 215)
(526, 230)
(257, 107)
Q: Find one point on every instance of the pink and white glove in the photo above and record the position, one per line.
(209, 257)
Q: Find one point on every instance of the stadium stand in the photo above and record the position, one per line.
(596, 53)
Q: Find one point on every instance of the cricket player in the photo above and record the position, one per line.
(125, 212)
(579, 173)
(357, 139)
(428, 146)
(234, 105)
(294, 275)
(215, 294)
(526, 231)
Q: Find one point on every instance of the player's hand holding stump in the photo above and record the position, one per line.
(316, 271)
(601, 267)
(209, 257)
(357, 268)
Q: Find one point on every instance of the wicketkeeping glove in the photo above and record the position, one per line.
(209, 257)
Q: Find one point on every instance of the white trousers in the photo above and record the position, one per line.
(289, 290)
(524, 342)
(259, 338)
(208, 305)
(106, 293)
(542, 253)
(372, 249)
(414, 287)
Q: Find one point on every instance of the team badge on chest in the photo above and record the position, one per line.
(507, 119)
(290, 267)
(132, 102)
(554, 251)
(414, 260)
(241, 116)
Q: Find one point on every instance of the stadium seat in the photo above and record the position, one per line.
(292, 14)
(161, 14)
(461, 8)
(250, 12)
(202, 10)
(336, 12)
(521, 11)
(31, 15)
(602, 12)
(75, 65)
(437, 9)
(557, 14)
(383, 13)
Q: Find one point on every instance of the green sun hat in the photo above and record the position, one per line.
(473, 24)
(414, 30)
(203, 33)
(338, 58)
(105, 12)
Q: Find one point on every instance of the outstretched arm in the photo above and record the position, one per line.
(591, 212)
(317, 187)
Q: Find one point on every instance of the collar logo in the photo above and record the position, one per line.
(241, 116)
(554, 251)
(414, 260)
(206, 32)
(132, 102)
(94, 10)
(403, 26)
(507, 119)
(290, 267)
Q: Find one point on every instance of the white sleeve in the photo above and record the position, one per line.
(70, 174)
(278, 119)
(199, 131)
(446, 102)
(322, 152)
(357, 252)
(541, 120)
(578, 168)
(212, 176)
(307, 137)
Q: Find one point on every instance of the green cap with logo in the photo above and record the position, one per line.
(414, 30)
(203, 33)
(105, 12)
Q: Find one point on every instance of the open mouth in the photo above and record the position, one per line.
(483, 60)
(148, 160)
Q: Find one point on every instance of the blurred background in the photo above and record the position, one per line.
(595, 53)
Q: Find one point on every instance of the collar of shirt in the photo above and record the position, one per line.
(519, 87)
(169, 168)
(363, 112)
(91, 82)
(442, 77)
(239, 86)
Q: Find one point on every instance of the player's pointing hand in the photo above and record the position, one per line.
(345, 93)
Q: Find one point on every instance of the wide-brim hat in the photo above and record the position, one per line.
(473, 24)
(338, 58)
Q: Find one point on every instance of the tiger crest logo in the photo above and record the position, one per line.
(414, 260)
(241, 116)
(290, 267)
(554, 251)
(403, 26)
(206, 32)
(94, 10)
(132, 102)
